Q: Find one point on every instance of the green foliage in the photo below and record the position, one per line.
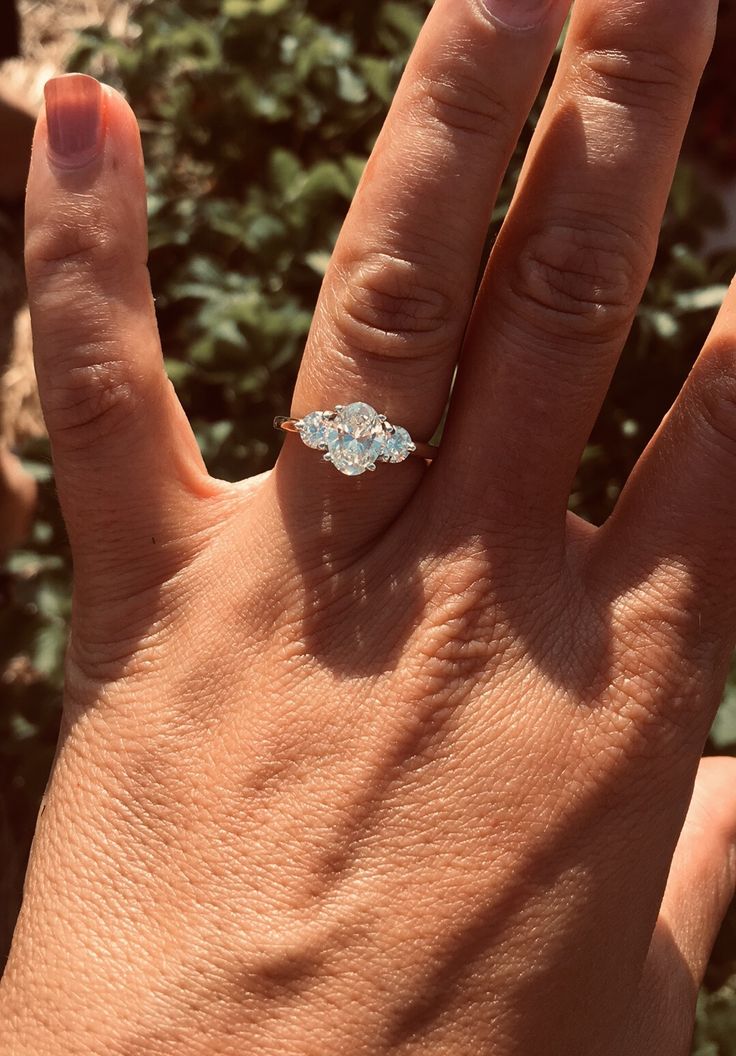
(257, 117)
(34, 614)
(715, 1034)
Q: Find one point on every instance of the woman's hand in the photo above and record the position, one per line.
(395, 763)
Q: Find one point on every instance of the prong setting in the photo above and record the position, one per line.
(354, 437)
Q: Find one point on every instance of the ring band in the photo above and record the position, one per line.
(354, 438)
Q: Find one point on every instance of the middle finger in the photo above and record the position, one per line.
(575, 252)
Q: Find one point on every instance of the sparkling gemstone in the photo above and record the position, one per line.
(314, 429)
(356, 440)
(397, 446)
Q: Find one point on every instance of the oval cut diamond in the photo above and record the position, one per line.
(398, 445)
(353, 438)
(356, 439)
(314, 429)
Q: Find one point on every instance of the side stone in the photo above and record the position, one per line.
(314, 429)
(398, 445)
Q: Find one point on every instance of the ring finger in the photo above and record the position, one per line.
(399, 288)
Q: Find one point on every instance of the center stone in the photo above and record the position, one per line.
(356, 440)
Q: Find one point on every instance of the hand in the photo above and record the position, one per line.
(396, 763)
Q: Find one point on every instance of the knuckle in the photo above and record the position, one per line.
(77, 246)
(91, 399)
(644, 79)
(579, 278)
(651, 713)
(453, 97)
(390, 306)
(714, 394)
(666, 660)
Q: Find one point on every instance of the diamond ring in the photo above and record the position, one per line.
(355, 438)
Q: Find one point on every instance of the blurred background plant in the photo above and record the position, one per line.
(257, 117)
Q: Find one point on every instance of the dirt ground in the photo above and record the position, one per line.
(48, 30)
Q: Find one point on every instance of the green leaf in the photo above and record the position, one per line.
(723, 733)
(702, 299)
(405, 19)
(350, 86)
(318, 261)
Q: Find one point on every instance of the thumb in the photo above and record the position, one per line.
(698, 893)
(127, 466)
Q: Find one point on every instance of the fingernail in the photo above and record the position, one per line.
(519, 14)
(74, 119)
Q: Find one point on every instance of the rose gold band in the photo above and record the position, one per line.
(425, 451)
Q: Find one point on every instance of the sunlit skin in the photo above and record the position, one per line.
(397, 763)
